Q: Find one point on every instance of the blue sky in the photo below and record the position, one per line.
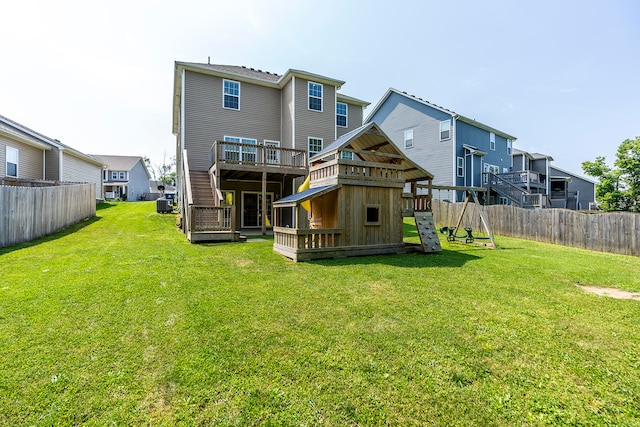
(562, 76)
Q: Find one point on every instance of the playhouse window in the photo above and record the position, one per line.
(373, 215)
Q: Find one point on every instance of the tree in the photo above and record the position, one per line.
(618, 188)
(164, 172)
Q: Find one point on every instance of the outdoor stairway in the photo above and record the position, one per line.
(427, 232)
(201, 188)
(518, 196)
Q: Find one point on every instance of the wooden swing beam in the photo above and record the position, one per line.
(471, 192)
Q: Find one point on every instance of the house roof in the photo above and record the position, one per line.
(532, 156)
(575, 175)
(121, 163)
(250, 75)
(373, 145)
(453, 114)
(29, 136)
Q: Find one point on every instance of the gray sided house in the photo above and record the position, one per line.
(27, 155)
(457, 150)
(555, 187)
(243, 140)
(125, 177)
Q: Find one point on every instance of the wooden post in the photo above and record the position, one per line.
(264, 203)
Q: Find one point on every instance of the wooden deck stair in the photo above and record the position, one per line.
(427, 232)
(201, 188)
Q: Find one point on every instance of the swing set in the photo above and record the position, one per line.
(468, 236)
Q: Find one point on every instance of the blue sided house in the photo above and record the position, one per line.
(457, 150)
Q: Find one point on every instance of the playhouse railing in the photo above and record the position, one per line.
(295, 238)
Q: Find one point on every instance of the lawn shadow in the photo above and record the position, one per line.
(53, 236)
(103, 206)
(446, 258)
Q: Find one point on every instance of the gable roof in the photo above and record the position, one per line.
(373, 145)
(31, 137)
(121, 163)
(532, 156)
(250, 75)
(453, 114)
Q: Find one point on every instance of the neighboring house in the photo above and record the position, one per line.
(456, 149)
(125, 177)
(29, 155)
(243, 139)
(556, 187)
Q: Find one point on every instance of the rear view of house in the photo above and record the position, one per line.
(243, 140)
(125, 177)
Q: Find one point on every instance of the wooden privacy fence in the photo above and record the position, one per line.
(614, 232)
(27, 213)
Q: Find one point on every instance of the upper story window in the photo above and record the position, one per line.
(408, 138)
(341, 114)
(315, 96)
(114, 175)
(231, 94)
(315, 146)
(122, 175)
(445, 129)
(492, 141)
(12, 162)
(509, 146)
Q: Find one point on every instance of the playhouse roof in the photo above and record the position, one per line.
(305, 195)
(373, 145)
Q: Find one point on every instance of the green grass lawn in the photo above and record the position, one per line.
(120, 321)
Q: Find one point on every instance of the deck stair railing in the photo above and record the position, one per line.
(505, 187)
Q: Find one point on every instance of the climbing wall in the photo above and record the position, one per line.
(427, 231)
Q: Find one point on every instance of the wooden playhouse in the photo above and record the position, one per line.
(354, 202)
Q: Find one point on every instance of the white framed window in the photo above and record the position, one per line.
(271, 151)
(240, 153)
(315, 96)
(114, 175)
(122, 175)
(486, 167)
(12, 162)
(492, 141)
(460, 167)
(509, 146)
(341, 114)
(230, 94)
(408, 138)
(445, 130)
(315, 146)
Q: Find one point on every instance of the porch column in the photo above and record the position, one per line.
(264, 203)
